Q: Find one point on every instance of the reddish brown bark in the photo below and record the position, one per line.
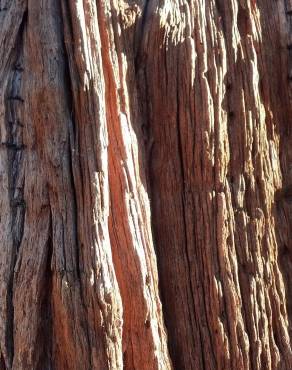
(145, 178)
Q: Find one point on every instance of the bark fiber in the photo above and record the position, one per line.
(146, 184)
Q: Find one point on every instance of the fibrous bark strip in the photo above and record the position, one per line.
(146, 184)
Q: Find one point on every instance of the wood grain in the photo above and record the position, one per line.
(145, 181)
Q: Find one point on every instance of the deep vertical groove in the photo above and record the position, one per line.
(15, 177)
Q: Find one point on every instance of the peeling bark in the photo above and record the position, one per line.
(146, 184)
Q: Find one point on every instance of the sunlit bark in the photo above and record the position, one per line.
(146, 184)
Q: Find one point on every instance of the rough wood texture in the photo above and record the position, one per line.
(145, 139)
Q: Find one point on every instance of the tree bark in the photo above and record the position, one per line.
(146, 184)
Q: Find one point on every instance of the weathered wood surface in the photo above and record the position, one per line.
(145, 139)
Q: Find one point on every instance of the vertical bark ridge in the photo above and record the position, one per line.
(85, 330)
(90, 177)
(12, 165)
(12, 14)
(89, 157)
(45, 140)
(281, 96)
(144, 337)
(230, 153)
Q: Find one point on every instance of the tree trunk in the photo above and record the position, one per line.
(145, 139)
